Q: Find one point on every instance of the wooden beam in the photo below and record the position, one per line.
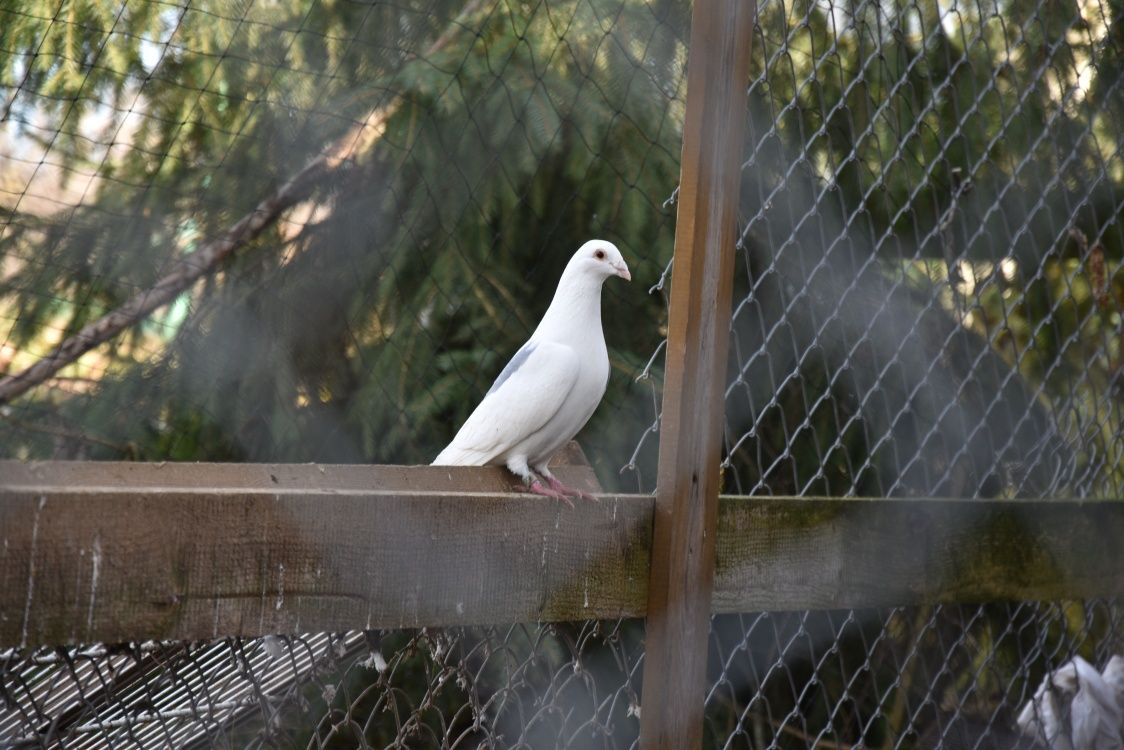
(153, 552)
(795, 554)
(111, 552)
(681, 579)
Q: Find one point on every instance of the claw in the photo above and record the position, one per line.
(538, 488)
(571, 491)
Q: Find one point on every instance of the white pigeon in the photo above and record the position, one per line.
(550, 388)
(1078, 708)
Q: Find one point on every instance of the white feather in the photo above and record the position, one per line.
(552, 386)
(518, 408)
(1077, 708)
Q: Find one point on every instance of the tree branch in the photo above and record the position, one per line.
(212, 254)
(185, 273)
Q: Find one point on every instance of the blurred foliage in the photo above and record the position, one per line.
(931, 292)
(930, 287)
(929, 296)
(366, 327)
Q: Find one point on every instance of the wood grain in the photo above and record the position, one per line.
(130, 559)
(286, 478)
(152, 552)
(795, 554)
(698, 331)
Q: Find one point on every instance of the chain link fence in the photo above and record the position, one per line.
(950, 676)
(929, 295)
(558, 685)
(478, 145)
(928, 302)
(402, 185)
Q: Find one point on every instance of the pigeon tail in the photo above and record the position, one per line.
(456, 456)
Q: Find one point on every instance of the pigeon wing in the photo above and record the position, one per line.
(1095, 715)
(529, 391)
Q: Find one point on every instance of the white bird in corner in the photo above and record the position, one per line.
(551, 387)
(1077, 707)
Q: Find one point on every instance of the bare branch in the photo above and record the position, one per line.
(186, 272)
(207, 258)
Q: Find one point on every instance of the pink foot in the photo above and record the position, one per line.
(570, 491)
(538, 488)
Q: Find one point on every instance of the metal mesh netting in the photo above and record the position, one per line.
(479, 144)
(942, 676)
(929, 296)
(949, 676)
(515, 686)
(463, 152)
(928, 302)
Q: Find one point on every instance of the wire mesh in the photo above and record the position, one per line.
(928, 301)
(560, 685)
(469, 148)
(940, 676)
(948, 676)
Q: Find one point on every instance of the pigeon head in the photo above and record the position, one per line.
(602, 259)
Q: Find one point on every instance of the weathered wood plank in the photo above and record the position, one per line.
(694, 376)
(111, 564)
(797, 554)
(139, 560)
(571, 462)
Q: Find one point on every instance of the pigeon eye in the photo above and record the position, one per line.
(600, 255)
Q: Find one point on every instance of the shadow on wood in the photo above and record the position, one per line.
(115, 552)
(119, 551)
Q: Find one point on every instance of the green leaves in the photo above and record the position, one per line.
(368, 323)
(364, 328)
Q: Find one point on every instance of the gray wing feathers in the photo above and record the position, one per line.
(529, 391)
(513, 366)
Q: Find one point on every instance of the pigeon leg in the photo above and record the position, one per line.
(564, 489)
(519, 467)
(538, 488)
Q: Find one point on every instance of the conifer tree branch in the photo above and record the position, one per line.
(186, 272)
(358, 139)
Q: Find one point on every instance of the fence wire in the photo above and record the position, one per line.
(945, 676)
(562, 685)
(923, 677)
(472, 148)
(928, 296)
(928, 301)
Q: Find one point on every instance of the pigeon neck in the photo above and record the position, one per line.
(575, 311)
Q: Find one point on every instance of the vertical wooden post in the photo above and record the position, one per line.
(682, 569)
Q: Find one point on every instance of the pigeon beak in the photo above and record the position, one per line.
(622, 271)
